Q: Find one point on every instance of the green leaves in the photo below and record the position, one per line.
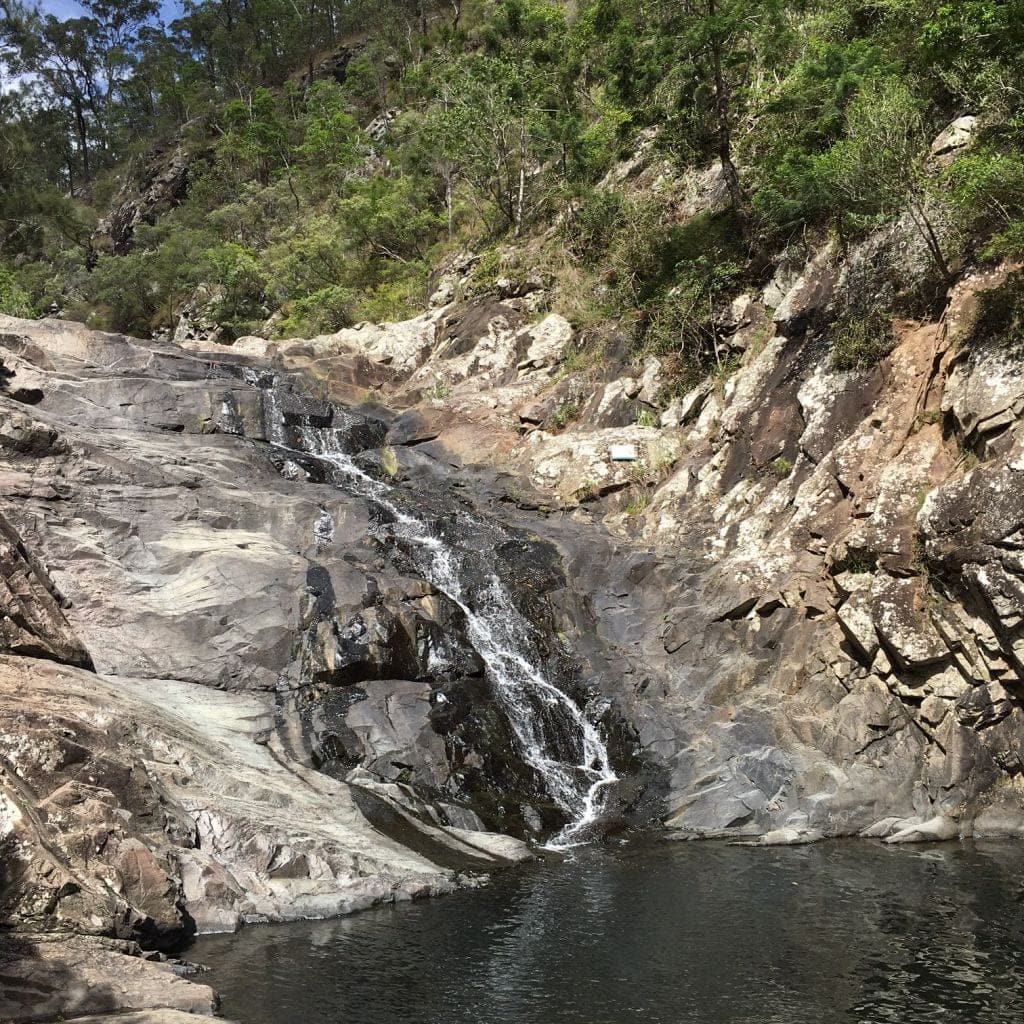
(14, 300)
(330, 135)
(255, 134)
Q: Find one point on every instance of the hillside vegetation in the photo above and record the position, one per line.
(334, 152)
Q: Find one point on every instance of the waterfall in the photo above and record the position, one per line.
(554, 735)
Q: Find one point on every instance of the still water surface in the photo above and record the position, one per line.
(667, 934)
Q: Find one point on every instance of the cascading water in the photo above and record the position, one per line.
(554, 735)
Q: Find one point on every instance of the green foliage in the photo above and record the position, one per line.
(591, 221)
(587, 491)
(393, 300)
(986, 191)
(239, 273)
(126, 295)
(14, 300)
(566, 412)
(493, 125)
(860, 339)
(383, 217)
(819, 111)
(859, 562)
(324, 311)
(441, 390)
(330, 134)
(1008, 244)
(781, 467)
(638, 505)
(255, 136)
(868, 173)
(671, 278)
(999, 318)
(485, 273)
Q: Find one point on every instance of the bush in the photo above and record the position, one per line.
(566, 412)
(391, 301)
(323, 312)
(861, 339)
(1008, 244)
(126, 295)
(485, 273)
(999, 319)
(986, 191)
(591, 222)
(14, 300)
(239, 273)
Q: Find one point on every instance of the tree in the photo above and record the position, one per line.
(330, 136)
(79, 65)
(716, 42)
(255, 133)
(879, 169)
(490, 124)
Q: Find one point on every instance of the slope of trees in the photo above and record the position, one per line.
(509, 114)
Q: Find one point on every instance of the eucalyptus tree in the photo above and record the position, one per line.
(80, 66)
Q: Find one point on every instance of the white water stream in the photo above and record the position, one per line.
(536, 709)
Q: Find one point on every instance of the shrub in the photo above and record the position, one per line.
(861, 339)
(323, 312)
(999, 318)
(634, 508)
(591, 222)
(986, 191)
(566, 412)
(485, 273)
(14, 300)
(391, 301)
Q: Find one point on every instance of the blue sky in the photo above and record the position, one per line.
(170, 9)
(70, 9)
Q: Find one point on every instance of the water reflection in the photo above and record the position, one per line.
(668, 934)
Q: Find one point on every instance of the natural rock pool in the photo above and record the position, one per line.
(662, 933)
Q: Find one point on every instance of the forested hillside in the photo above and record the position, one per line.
(310, 162)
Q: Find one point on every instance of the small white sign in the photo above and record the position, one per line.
(622, 453)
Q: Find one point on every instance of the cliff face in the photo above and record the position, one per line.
(232, 689)
(172, 596)
(805, 583)
(842, 636)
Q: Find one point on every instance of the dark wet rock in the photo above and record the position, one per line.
(161, 185)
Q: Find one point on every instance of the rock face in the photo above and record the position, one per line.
(193, 622)
(162, 186)
(806, 582)
(233, 687)
(841, 634)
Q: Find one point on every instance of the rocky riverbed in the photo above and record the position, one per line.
(234, 691)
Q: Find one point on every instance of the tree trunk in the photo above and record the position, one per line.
(449, 204)
(931, 240)
(723, 129)
(83, 138)
(521, 197)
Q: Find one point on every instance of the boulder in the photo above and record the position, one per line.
(957, 135)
